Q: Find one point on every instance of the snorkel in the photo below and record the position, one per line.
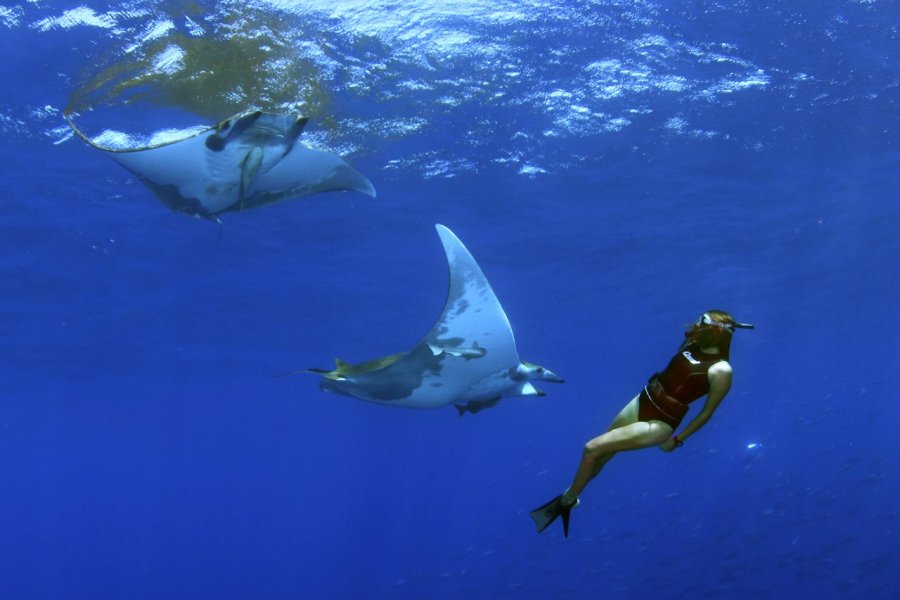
(713, 329)
(707, 319)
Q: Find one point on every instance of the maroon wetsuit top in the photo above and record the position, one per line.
(668, 393)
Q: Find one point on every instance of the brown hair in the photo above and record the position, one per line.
(706, 335)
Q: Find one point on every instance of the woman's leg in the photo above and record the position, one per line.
(626, 416)
(625, 433)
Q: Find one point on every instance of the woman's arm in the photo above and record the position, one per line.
(719, 383)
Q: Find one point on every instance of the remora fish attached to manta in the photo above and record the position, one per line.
(468, 359)
(251, 159)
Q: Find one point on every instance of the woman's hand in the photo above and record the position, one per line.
(668, 445)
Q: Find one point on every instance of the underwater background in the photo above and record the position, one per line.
(616, 167)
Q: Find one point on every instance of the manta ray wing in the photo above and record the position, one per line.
(248, 160)
(304, 171)
(185, 177)
(470, 341)
(472, 321)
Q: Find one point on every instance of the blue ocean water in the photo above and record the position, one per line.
(615, 167)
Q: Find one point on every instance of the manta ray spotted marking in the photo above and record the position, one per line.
(253, 158)
(468, 359)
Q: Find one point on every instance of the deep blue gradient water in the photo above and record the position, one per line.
(615, 167)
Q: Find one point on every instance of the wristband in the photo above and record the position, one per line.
(678, 443)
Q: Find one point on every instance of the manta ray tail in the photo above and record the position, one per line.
(289, 373)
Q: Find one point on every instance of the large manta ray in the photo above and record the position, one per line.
(246, 161)
(468, 359)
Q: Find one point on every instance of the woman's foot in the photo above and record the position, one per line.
(569, 500)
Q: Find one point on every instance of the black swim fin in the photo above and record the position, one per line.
(546, 514)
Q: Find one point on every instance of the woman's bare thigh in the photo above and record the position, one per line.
(626, 416)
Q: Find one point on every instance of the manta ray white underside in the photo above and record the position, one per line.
(253, 158)
(468, 358)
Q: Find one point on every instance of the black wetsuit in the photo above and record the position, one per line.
(667, 394)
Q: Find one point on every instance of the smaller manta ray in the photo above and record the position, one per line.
(468, 359)
(246, 161)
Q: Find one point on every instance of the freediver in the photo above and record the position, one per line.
(700, 367)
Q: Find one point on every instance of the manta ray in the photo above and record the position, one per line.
(468, 359)
(248, 160)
